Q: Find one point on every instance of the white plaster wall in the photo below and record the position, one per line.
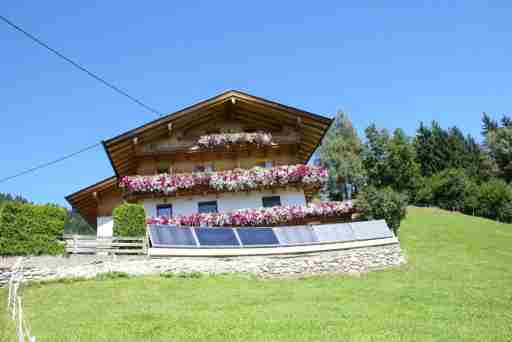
(105, 226)
(225, 202)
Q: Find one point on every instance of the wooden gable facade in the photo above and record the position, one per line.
(169, 144)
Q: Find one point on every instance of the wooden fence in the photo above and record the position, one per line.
(14, 304)
(89, 244)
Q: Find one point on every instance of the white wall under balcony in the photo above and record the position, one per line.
(225, 201)
(105, 226)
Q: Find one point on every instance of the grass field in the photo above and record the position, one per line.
(457, 286)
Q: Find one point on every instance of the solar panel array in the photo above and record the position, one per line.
(173, 237)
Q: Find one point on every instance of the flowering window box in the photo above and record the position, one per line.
(227, 181)
(262, 216)
(227, 139)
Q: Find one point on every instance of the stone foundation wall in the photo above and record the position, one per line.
(335, 262)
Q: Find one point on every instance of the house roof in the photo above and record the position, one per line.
(85, 201)
(237, 105)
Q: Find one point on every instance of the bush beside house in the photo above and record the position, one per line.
(129, 220)
(382, 204)
(28, 229)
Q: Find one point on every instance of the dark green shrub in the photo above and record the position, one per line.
(424, 195)
(471, 200)
(376, 204)
(448, 189)
(28, 229)
(129, 220)
(494, 197)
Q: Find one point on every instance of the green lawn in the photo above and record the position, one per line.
(456, 287)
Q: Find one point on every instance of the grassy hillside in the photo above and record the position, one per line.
(456, 287)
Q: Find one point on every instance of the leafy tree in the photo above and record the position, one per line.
(499, 143)
(390, 161)
(494, 199)
(403, 170)
(385, 203)
(376, 155)
(471, 199)
(340, 154)
(449, 189)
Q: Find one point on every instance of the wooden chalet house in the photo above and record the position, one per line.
(231, 152)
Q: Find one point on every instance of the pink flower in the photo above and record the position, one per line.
(259, 216)
(230, 180)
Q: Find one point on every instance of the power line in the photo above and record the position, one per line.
(79, 67)
(49, 163)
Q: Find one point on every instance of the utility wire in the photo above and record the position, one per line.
(49, 163)
(79, 67)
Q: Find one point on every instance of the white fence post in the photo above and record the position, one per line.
(14, 297)
(21, 335)
(9, 298)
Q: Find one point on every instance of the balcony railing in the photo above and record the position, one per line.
(198, 145)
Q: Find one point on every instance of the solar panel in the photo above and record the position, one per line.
(334, 232)
(216, 237)
(171, 236)
(257, 236)
(368, 230)
(295, 235)
(164, 236)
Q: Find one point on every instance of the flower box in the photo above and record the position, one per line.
(263, 216)
(227, 181)
(226, 139)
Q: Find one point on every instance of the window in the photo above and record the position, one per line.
(164, 210)
(199, 168)
(207, 207)
(271, 201)
(267, 164)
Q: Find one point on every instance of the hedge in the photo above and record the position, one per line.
(129, 220)
(28, 229)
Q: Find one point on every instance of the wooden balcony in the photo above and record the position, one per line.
(190, 146)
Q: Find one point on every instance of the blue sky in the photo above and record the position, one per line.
(394, 65)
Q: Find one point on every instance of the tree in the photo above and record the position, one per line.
(438, 149)
(449, 189)
(404, 172)
(499, 143)
(375, 156)
(494, 199)
(385, 203)
(340, 154)
(488, 125)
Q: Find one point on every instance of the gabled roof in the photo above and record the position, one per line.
(85, 201)
(239, 105)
